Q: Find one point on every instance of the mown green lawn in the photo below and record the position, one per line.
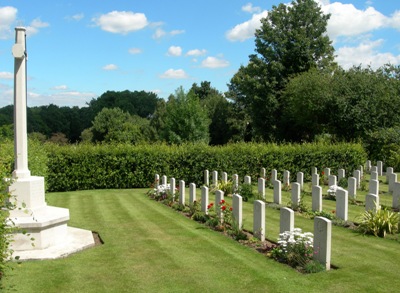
(149, 247)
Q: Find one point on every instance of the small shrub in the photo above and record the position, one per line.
(246, 191)
(226, 187)
(379, 222)
(343, 183)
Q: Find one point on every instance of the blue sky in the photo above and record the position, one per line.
(80, 49)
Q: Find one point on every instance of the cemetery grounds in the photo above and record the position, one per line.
(149, 247)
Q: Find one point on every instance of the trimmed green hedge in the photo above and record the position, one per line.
(80, 167)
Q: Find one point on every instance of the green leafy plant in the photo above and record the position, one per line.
(379, 222)
(225, 186)
(6, 226)
(246, 191)
(328, 215)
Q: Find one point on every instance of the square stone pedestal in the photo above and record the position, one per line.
(42, 230)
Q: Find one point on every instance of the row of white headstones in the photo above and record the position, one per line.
(322, 226)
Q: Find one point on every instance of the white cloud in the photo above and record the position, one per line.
(67, 98)
(135, 51)
(246, 30)
(34, 27)
(62, 87)
(365, 54)
(109, 67)
(174, 74)
(213, 62)
(121, 22)
(196, 52)
(75, 17)
(250, 8)
(8, 15)
(174, 51)
(159, 33)
(347, 20)
(394, 21)
(6, 75)
(176, 32)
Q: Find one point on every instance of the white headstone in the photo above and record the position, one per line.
(374, 175)
(219, 198)
(235, 182)
(352, 187)
(374, 187)
(371, 202)
(286, 220)
(295, 195)
(379, 165)
(332, 180)
(206, 178)
(300, 179)
(368, 166)
(192, 193)
(341, 174)
(286, 178)
(342, 204)
(263, 173)
(156, 181)
(374, 169)
(164, 180)
(277, 191)
(224, 177)
(392, 180)
(215, 178)
(237, 210)
(357, 175)
(316, 198)
(261, 187)
(389, 170)
(274, 175)
(396, 195)
(204, 199)
(315, 179)
(172, 186)
(247, 179)
(314, 170)
(322, 241)
(259, 220)
(182, 192)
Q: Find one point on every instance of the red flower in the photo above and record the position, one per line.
(222, 202)
(211, 204)
(322, 173)
(333, 211)
(230, 208)
(223, 208)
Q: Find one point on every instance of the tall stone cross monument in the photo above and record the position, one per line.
(49, 236)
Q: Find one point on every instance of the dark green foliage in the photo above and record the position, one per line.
(125, 166)
(384, 145)
(292, 39)
(139, 103)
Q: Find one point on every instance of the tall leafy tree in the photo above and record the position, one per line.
(115, 125)
(225, 121)
(183, 119)
(292, 39)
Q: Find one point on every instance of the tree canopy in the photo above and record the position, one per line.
(292, 39)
